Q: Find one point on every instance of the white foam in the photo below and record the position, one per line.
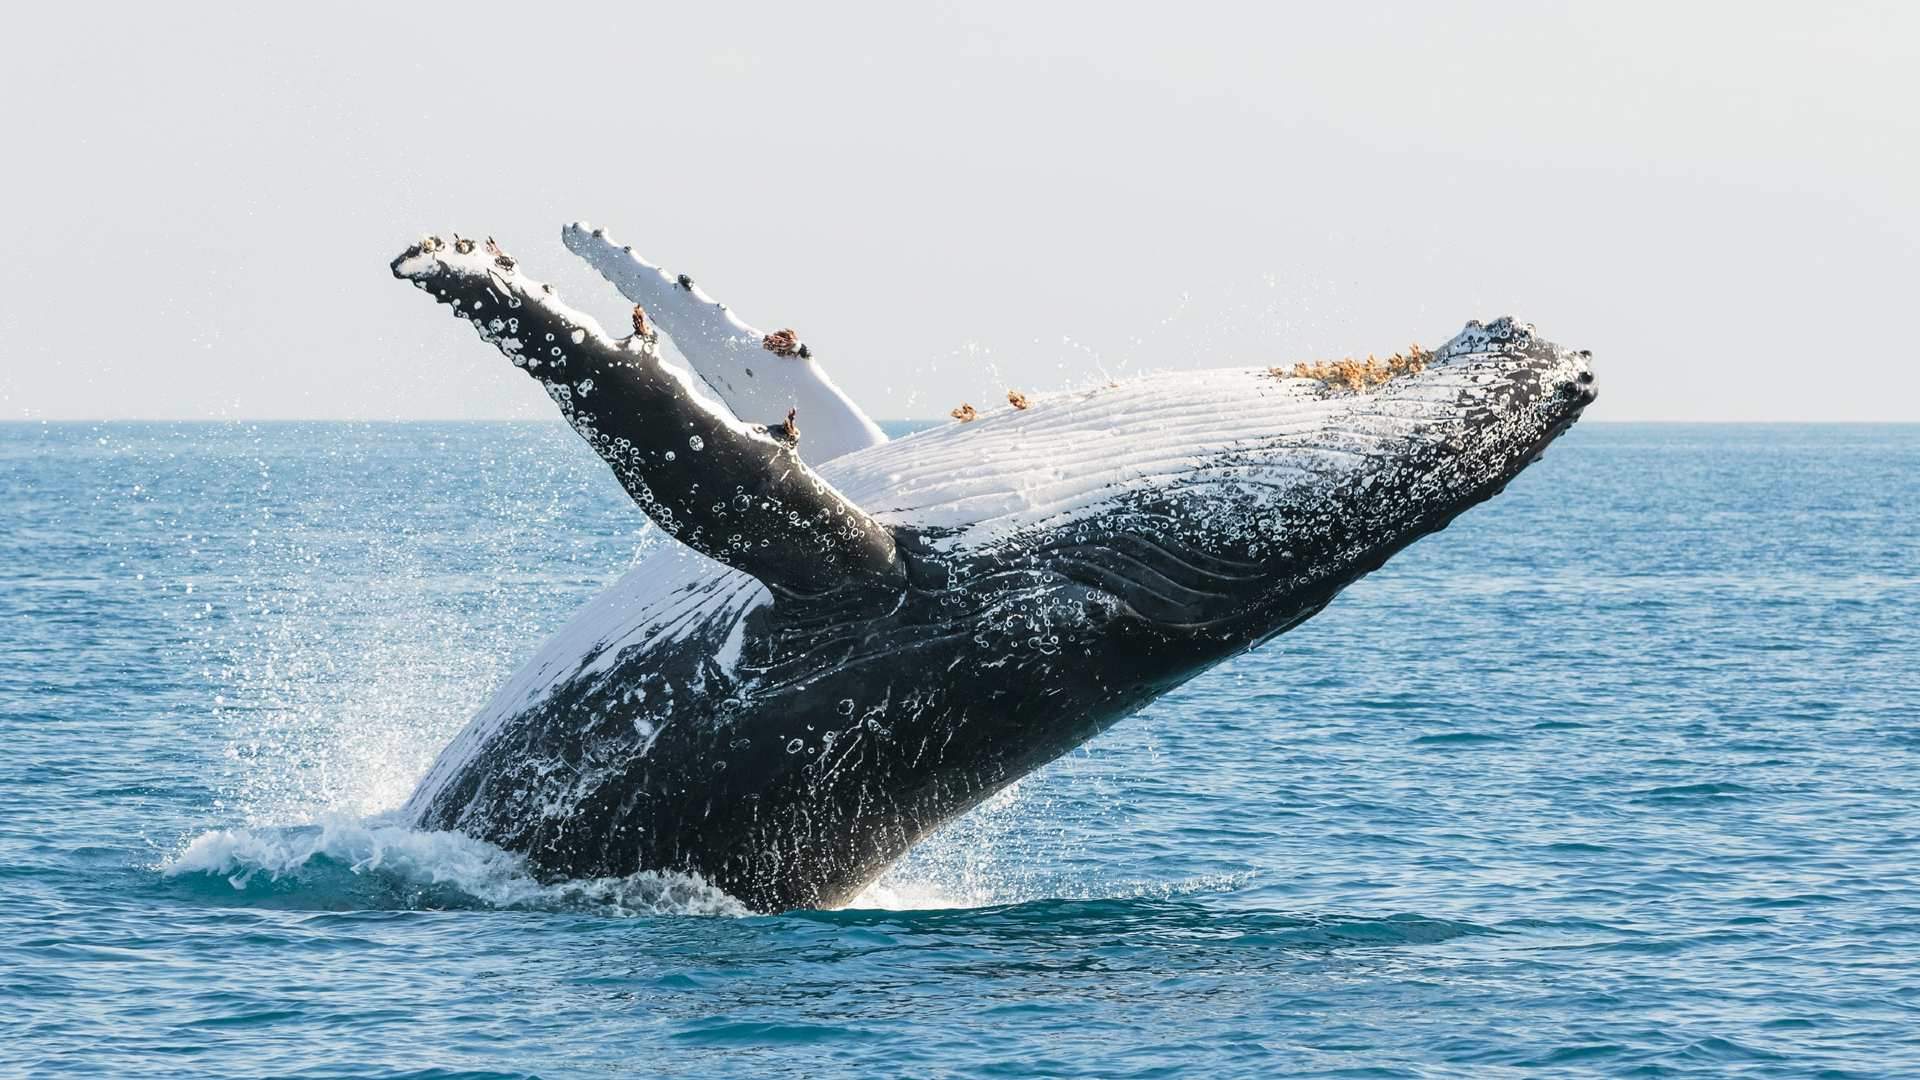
(886, 895)
(396, 855)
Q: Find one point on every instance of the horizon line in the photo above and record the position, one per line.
(17, 421)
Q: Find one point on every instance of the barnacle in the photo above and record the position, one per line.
(1016, 399)
(500, 258)
(964, 413)
(781, 343)
(1351, 374)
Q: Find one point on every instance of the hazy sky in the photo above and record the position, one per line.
(1721, 201)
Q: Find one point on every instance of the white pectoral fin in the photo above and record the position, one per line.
(759, 376)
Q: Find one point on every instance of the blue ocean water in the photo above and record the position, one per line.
(1619, 775)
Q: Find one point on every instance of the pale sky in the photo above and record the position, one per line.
(1722, 201)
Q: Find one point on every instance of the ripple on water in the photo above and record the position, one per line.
(1617, 776)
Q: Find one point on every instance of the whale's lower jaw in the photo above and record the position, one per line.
(789, 748)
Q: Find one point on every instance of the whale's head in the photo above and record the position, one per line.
(1222, 507)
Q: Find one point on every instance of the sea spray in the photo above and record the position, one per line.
(342, 862)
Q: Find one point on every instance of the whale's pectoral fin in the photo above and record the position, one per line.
(759, 375)
(731, 491)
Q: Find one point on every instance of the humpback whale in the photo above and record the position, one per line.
(848, 641)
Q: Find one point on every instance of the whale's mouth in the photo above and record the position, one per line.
(1580, 394)
(1195, 498)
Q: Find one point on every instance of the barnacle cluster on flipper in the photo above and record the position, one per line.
(500, 258)
(643, 329)
(782, 343)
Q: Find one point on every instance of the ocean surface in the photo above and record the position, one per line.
(1620, 775)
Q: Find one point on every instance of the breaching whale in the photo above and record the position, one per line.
(849, 641)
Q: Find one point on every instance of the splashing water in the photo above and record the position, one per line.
(342, 862)
(336, 692)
